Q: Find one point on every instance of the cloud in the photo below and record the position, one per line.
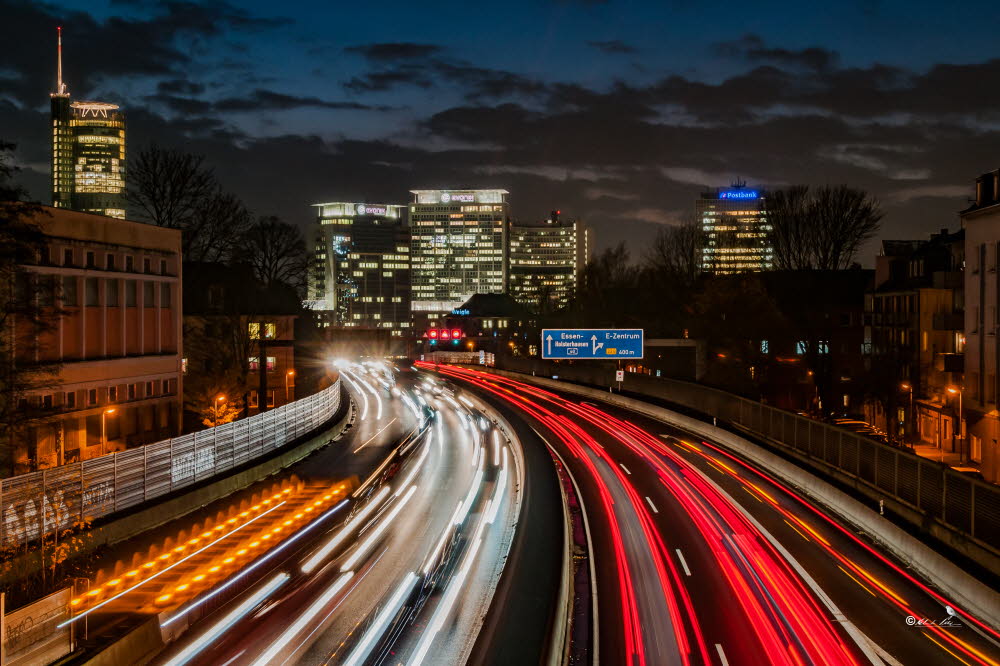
(613, 46)
(180, 87)
(752, 48)
(394, 51)
(269, 100)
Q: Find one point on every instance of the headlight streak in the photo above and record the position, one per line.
(381, 430)
(361, 391)
(362, 649)
(364, 546)
(444, 607)
(339, 537)
(166, 569)
(468, 403)
(497, 496)
(428, 565)
(414, 468)
(477, 481)
(258, 563)
(228, 621)
(496, 448)
(300, 623)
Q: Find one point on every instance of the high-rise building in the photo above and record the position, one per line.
(361, 271)
(457, 248)
(88, 152)
(545, 261)
(735, 231)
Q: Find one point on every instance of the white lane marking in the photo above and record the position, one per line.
(376, 434)
(684, 563)
(626, 469)
(651, 505)
(722, 655)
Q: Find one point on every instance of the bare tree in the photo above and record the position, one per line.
(674, 252)
(175, 189)
(277, 252)
(823, 229)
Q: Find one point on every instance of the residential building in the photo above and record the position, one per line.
(458, 241)
(88, 152)
(981, 222)
(112, 340)
(231, 323)
(360, 276)
(914, 339)
(735, 231)
(545, 261)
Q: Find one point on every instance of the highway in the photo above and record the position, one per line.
(406, 563)
(700, 558)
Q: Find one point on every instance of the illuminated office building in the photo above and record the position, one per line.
(735, 231)
(360, 276)
(457, 245)
(545, 260)
(88, 152)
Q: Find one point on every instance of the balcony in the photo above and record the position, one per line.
(949, 321)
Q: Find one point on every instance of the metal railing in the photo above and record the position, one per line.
(959, 503)
(62, 497)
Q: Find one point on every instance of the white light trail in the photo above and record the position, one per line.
(362, 650)
(471, 497)
(363, 548)
(260, 562)
(497, 497)
(444, 536)
(364, 396)
(228, 621)
(466, 401)
(376, 434)
(415, 467)
(272, 652)
(339, 537)
(166, 569)
(496, 448)
(444, 608)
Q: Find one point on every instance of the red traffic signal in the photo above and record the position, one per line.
(432, 333)
(445, 334)
(456, 333)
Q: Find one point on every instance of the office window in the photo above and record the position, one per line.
(130, 293)
(93, 292)
(112, 394)
(149, 389)
(111, 262)
(164, 295)
(270, 398)
(252, 399)
(149, 294)
(111, 293)
(68, 257)
(270, 330)
(70, 297)
(90, 260)
(92, 397)
(147, 266)
(70, 400)
(163, 266)
(129, 263)
(133, 390)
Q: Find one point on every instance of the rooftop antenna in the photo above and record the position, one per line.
(739, 183)
(60, 86)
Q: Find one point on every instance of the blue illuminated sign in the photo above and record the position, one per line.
(739, 194)
(580, 343)
(460, 311)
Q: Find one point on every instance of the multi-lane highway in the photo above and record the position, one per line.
(701, 558)
(405, 564)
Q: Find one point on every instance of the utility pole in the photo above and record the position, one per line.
(262, 368)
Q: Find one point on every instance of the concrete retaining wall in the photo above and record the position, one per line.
(968, 592)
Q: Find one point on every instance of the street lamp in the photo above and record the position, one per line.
(288, 375)
(104, 432)
(906, 386)
(961, 430)
(215, 410)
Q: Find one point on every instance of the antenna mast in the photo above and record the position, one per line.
(60, 86)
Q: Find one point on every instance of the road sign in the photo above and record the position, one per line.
(619, 375)
(606, 343)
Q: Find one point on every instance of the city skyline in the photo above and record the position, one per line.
(357, 113)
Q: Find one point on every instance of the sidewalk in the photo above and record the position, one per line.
(949, 458)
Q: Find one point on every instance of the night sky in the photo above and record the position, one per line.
(616, 112)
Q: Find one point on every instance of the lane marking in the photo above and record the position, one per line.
(626, 469)
(651, 505)
(863, 586)
(376, 434)
(722, 655)
(684, 563)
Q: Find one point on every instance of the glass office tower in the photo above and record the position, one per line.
(735, 231)
(546, 259)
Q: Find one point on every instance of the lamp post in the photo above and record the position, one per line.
(961, 430)
(104, 430)
(215, 410)
(909, 387)
(288, 376)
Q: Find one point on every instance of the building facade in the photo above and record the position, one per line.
(88, 153)
(981, 222)
(361, 269)
(545, 261)
(457, 249)
(112, 288)
(914, 339)
(735, 231)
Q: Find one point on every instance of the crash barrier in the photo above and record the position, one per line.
(60, 498)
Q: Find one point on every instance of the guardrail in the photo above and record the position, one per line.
(936, 494)
(62, 497)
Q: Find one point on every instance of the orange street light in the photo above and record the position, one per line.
(215, 410)
(288, 375)
(961, 430)
(104, 432)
